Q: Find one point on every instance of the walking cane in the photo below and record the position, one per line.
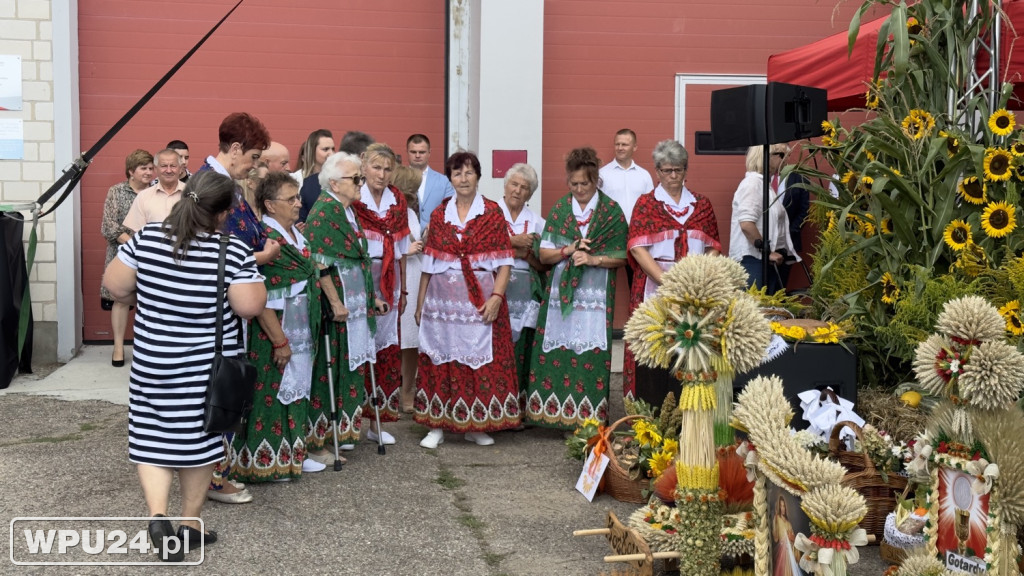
(325, 306)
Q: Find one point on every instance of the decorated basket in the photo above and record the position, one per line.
(879, 495)
(616, 481)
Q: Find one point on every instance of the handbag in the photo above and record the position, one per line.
(232, 379)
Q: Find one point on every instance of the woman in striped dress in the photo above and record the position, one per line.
(169, 271)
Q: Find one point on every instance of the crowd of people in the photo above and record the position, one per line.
(358, 286)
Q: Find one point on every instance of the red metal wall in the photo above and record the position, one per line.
(299, 65)
(610, 64)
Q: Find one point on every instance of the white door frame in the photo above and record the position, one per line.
(683, 81)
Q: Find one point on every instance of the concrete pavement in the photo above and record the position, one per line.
(508, 509)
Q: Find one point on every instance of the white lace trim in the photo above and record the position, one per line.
(451, 329)
(585, 328)
(387, 325)
(523, 310)
(298, 373)
(357, 329)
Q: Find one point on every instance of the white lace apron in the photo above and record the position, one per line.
(357, 329)
(650, 286)
(451, 329)
(387, 325)
(522, 308)
(298, 373)
(585, 328)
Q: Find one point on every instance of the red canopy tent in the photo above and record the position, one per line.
(825, 63)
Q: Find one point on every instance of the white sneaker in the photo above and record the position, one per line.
(481, 438)
(433, 438)
(347, 447)
(372, 436)
(309, 465)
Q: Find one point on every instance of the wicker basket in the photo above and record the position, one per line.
(616, 481)
(892, 554)
(879, 495)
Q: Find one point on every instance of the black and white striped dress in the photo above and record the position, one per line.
(174, 340)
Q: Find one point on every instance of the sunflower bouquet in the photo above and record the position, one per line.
(917, 203)
(645, 449)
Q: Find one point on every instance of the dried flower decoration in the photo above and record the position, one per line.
(994, 377)
(970, 320)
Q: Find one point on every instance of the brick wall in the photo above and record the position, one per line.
(27, 32)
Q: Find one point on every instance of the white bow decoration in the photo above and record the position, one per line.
(818, 560)
(750, 459)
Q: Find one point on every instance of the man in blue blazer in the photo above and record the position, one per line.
(435, 186)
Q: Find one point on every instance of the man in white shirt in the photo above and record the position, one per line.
(434, 187)
(622, 179)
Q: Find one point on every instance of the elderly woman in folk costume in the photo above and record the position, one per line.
(382, 211)
(339, 246)
(570, 365)
(671, 222)
(526, 285)
(282, 344)
(467, 376)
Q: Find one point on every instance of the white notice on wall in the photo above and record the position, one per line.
(12, 139)
(10, 82)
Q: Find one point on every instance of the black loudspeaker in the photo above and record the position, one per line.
(809, 365)
(766, 114)
(737, 116)
(794, 112)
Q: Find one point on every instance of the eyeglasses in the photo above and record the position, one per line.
(296, 199)
(671, 171)
(356, 179)
(779, 154)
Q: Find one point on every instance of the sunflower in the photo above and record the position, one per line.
(866, 227)
(887, 227)
(957, 234)
(659, 462)
(864, 186)
(918, 124)
(913, 26)
(913, 128)
(972, 190)
(853, 223)
(850, 180)
(647, 433)
(871, 99)
(952, 143)
(1011, 312)
(998, 165)
(1002, 122)
(998, 219)
(670, 445)
(829, 135)
(1017, 149)
(890, 291)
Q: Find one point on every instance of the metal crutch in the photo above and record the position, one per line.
(376, 401)
(326, 307)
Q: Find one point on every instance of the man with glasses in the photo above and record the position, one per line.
(434, 187)
(622, 179)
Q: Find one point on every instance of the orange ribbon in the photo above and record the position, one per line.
(598, 444)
